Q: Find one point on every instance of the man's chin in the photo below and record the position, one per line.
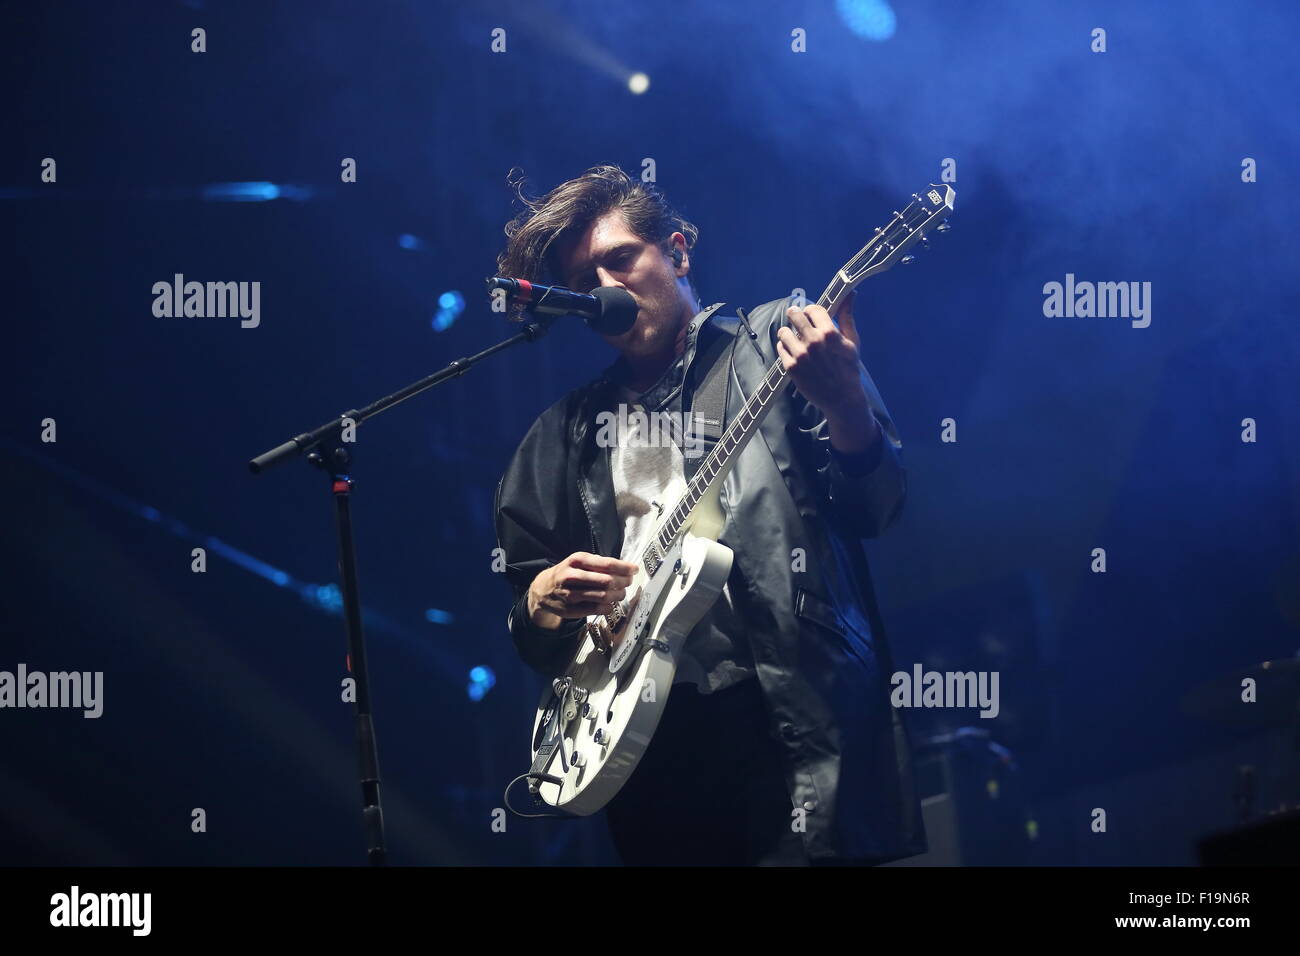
(629, 339)
(621, 342)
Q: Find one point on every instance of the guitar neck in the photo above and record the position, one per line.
(718, 463)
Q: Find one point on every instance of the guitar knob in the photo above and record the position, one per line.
(907, 260)
(601, 737)
(943, 226)
(578, 759)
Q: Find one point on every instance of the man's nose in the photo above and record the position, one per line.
(607, 278)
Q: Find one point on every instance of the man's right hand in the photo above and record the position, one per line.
(581, 585)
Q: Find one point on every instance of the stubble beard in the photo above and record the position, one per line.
(660, 334)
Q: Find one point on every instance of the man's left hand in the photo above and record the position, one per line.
(822, 360)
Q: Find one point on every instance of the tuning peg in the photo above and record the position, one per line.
(943, 226)
(907, 260)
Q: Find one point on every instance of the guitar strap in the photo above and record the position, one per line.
(709, 399)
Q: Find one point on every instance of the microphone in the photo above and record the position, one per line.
(609, 310)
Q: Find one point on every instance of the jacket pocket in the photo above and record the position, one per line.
(812, 608)
(809, 607)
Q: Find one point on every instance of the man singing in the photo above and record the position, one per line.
(778, 745)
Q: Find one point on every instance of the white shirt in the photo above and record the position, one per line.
(649, 475)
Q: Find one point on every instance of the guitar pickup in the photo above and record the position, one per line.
(652, 559)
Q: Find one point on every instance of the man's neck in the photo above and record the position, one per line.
(644, 370)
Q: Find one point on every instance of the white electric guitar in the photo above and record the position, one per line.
(597, 717)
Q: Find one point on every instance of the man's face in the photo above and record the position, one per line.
(609, 253)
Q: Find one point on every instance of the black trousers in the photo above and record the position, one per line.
(710, 789)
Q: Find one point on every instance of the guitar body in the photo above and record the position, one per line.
(592, 725)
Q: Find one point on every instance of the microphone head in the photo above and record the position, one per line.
(617, 311)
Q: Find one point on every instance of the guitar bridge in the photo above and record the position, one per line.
(614, 617)
(600, 638)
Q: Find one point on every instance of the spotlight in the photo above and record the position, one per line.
(481, 680)
(638, 83)
(869, 19)
(450, 306)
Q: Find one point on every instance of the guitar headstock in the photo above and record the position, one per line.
(927, 212)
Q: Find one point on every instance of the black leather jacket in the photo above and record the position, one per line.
(795, 514)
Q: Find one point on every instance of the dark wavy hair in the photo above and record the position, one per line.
(567, 210)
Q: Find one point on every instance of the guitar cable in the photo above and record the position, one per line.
(546, 778)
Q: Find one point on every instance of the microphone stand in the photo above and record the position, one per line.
(326, 448)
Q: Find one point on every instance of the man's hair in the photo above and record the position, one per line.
(566, 211)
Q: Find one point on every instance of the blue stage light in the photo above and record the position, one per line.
(249, 192)
(326, 597)
(450, 306)
(869, 19)
(234, 555)
(240, 192)
(435, 616)
(481, 680)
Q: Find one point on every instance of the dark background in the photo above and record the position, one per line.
(222, 689)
